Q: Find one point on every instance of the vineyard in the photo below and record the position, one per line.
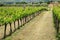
(9, 14)
(56, 13)
(36, 22)
(11, 18)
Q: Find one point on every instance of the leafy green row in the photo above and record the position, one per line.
(56, 11)
(10, 14)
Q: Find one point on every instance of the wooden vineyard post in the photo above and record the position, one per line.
(30, 17)
(10, 29)
(18, 24)
(5, 30)
(25, 19)
(21, 21)
(14, 26)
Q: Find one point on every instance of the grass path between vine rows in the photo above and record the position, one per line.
(40, 28)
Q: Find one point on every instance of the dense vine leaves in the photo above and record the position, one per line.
(10, 14)
(56, 11)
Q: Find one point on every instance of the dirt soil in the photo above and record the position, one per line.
(40, 28)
